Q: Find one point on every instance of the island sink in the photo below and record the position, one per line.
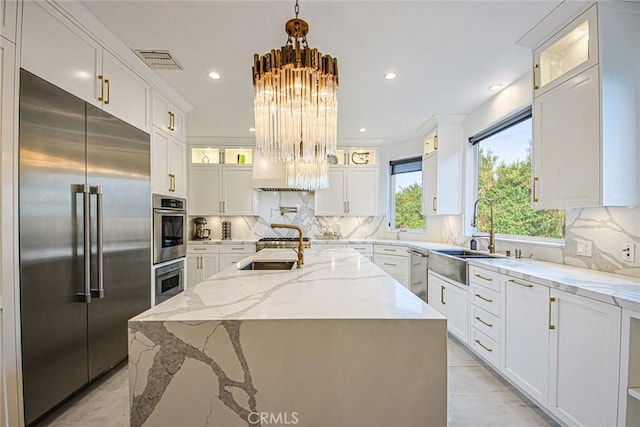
(268, 265)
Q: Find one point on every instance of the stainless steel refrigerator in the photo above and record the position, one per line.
(85, 241)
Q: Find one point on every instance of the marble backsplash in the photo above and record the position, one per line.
(293, 208)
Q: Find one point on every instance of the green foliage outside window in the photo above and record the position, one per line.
(408, 204)
(508, 186)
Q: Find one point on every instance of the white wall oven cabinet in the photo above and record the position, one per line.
(353, 185)
(584, 122)
(450, 299)
(442, 167)
(58, 51)
(168, 117)
(168, 155)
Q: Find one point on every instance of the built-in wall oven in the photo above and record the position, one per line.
(169, 228)
(169, 281)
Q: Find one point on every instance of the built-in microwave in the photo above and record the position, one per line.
(169, 281)
(169, 228)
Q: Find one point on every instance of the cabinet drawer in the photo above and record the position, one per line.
(200, 249)
(484, 277)
(363, 249)
(230, 259)
(486, 299)
(389, 250)
(393, 265)
(237, 249)
(486, 347)
(485, 322)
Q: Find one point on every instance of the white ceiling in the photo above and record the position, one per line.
(446, 54)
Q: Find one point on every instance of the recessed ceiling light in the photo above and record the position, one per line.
(495, 87)
(390, 76)
(252, 129)
(363, 129)
(214, 75)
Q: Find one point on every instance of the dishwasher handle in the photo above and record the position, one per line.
(416, 253)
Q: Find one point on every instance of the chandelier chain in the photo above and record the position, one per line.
(297, 9)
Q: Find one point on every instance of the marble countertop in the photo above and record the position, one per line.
(610, 288)
(334, 283)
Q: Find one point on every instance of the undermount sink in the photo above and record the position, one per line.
(268, 265)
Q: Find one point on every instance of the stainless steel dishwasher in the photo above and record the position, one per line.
(418, 273)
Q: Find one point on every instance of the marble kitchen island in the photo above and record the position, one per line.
(336, 343)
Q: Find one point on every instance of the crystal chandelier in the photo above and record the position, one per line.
(296, 108)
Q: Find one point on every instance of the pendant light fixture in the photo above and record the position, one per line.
(295, 105)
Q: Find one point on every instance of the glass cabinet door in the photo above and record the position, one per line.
(568, 53)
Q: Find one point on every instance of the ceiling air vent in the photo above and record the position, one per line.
(159, 59)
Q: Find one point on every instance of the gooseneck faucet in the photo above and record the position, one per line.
(300, 250)
(474, 223)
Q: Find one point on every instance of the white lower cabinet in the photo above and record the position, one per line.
(451, 300)
(231, 254)
(202, 262)
(394, 260)
(584, 360)
(525, 338)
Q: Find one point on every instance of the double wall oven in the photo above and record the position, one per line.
(169, 244)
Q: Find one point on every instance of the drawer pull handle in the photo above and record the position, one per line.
(483, 298)
(393, 265)
(488, 279)
(482, 345)
(388, 250)
(199, 249)
(237, 249)
(526, 285)
(442, 295)
(485, 323)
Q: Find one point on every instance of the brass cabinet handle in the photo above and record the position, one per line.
(220, 206)
(434, 204)
(200, 262)
(224, 206)
(108, 83)
(526, 285)
(535, 68)
(435, 142)
(170, 126)
(348, 207)
(101, 97)
(482, 345)
(535, 181)
(442, 295)
(172, 182)
(387, 263)
(488, 279)
(482, 321)
(483, 298)
(551, 326)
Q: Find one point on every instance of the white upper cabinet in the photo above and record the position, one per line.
(168, 117)
(167, 164)
(353, 185)
(442, 167)
(586, 140)
(123, 93)
(56, 50)
(222, 190)
(8, 19)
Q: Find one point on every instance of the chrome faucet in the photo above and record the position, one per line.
(300, 250)
(474, 223)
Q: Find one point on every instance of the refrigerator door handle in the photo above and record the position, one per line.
(99, 293)
(86, 295)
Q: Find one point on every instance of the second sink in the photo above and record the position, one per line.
(268, 265)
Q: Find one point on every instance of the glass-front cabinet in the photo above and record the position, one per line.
(569, 52)
(355, 156)
(204, 155)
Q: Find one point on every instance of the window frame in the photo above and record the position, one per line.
(474, 141)
(392, 200)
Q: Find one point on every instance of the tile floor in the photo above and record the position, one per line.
(477, 397)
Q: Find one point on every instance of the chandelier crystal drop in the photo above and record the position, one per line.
(295, 103)
(308, 176)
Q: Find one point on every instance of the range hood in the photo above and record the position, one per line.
(270, 176)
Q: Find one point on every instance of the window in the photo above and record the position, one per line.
(406, 195)
(504, 177)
